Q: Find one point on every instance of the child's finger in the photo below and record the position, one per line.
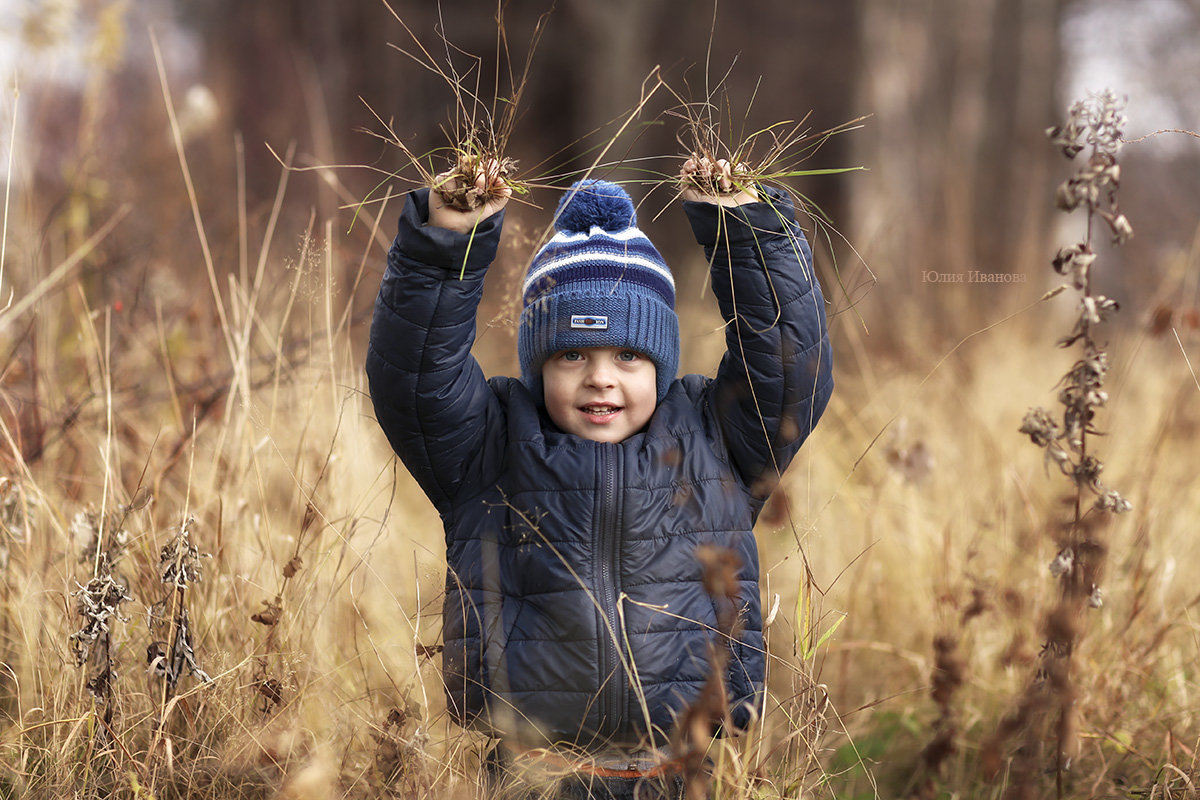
(724, 182)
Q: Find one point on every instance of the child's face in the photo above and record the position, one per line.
(605, 394)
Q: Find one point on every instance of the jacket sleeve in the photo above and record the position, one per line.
(429, 393)
(777, 374)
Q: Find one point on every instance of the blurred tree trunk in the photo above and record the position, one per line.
(961, 93)
(295, 70)
(613, 51)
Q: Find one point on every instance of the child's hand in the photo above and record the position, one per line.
(489, 184)
(701, 171)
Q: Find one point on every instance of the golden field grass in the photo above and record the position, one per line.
(915, 498)
(226, 386)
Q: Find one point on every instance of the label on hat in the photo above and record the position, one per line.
(588, 322)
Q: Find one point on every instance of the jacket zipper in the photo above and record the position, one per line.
(608, 548)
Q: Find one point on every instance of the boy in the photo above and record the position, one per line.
(574, 499)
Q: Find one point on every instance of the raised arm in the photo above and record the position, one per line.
(430, 395)
(776, 376)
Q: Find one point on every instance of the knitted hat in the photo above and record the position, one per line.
(598, 283)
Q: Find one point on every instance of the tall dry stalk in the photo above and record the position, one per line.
(172, 653)
(1048, 707)
(692, 739)
(98, 604)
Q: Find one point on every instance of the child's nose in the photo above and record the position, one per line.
(600, 374)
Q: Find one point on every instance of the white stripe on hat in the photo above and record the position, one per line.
(624, 235)
(632, 260)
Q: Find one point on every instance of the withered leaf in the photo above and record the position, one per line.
(272, 611)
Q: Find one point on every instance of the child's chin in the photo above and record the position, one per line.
(604, 436)
(604, 433)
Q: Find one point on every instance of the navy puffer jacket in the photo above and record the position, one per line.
(574, 610)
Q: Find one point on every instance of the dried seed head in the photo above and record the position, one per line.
(182, 655)
(293, 566)
(1065, 137)
(97, 603)
(179, 559)
(1122, 231)
(949, 670)
(1098, 121)
(272, 611)
(1073, 260)
(1062, 628)
(1075, 192)
(1040, 427)
(1087, 472)
(1110, 500)
(1062, 562)
(1080, 270)
(271, 691)
(913, 463)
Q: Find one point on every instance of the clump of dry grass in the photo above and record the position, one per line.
(474, 166)
(770, 156)
(724, 156)
(475, 160)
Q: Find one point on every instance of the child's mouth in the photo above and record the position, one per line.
(600, 410)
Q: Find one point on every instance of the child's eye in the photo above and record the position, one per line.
(628, 355)
(571, 355)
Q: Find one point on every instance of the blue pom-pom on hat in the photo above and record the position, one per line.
(595, 203)
(598, 282)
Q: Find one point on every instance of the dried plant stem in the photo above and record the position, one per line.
(1094, 125)
(201, 233)
(12, 148)
(170, 657)
(693, 735)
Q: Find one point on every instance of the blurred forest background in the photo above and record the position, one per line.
(210, 349)
(958, 95)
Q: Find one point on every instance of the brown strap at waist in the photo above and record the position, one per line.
(590, 766)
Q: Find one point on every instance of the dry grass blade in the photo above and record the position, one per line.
(12, 149)
(480, 130)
